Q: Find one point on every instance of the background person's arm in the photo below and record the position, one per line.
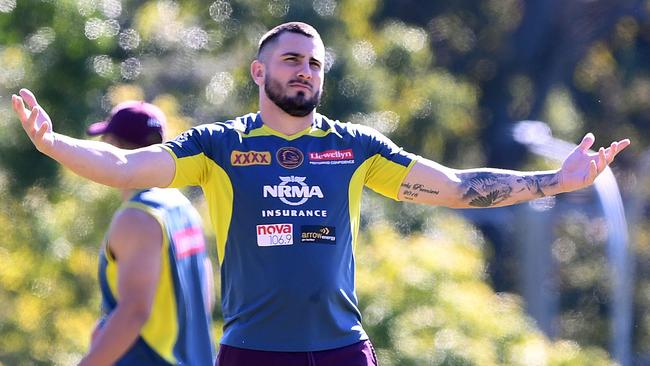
(103, 163)
(135, 239)
(211, 296)
(432, 183)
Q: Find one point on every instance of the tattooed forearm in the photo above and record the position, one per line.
(411, 191)
(537, 183)
(483, 189)
(490, 188)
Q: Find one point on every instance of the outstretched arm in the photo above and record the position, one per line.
(103, 163)
(431, 183)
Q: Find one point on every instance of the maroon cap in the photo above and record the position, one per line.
(137, 122)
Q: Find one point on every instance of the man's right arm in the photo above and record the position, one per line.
(103, 163)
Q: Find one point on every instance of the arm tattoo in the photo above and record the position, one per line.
(487, 189)
(413, 190)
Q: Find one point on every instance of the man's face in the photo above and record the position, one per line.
(294, 73)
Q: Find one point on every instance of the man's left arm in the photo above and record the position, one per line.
(432, 183)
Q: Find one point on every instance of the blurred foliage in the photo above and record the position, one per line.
(48, 266)
(425, 302)
(446, 80)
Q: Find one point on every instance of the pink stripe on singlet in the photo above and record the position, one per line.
(188, 241)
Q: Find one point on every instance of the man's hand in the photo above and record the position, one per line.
(35, 121)
(581, 167)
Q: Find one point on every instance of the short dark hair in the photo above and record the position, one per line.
(123, 143)
(292, 27)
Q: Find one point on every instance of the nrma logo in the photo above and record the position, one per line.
(293, 191)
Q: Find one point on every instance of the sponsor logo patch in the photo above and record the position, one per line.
(248, 158)
(318, 234)
(292, 191)
(188, 241)
(274, 235)
(331, 157)
(289, 157)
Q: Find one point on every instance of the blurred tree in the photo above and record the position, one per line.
(45, 51)
(48, 271)
(426, 303)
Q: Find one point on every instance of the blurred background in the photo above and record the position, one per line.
(500, 83)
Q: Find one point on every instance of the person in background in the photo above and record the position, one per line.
(154, 273)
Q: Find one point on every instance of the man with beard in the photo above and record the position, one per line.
(284, 189)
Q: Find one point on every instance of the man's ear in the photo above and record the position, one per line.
(258, 71)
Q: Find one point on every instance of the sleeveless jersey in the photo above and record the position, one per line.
(178, 329)
(286, 215)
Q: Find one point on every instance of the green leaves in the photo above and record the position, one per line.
(425, 302)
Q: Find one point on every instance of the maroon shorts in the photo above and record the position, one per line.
(358, 354)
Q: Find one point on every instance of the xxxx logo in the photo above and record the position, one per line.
(247, 158)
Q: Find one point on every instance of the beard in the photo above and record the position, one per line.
(296, 106)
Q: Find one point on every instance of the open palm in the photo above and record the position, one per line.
(582, 166)
(35, 121)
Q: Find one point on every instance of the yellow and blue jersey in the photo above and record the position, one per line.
(178, 329)
(286, 215)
